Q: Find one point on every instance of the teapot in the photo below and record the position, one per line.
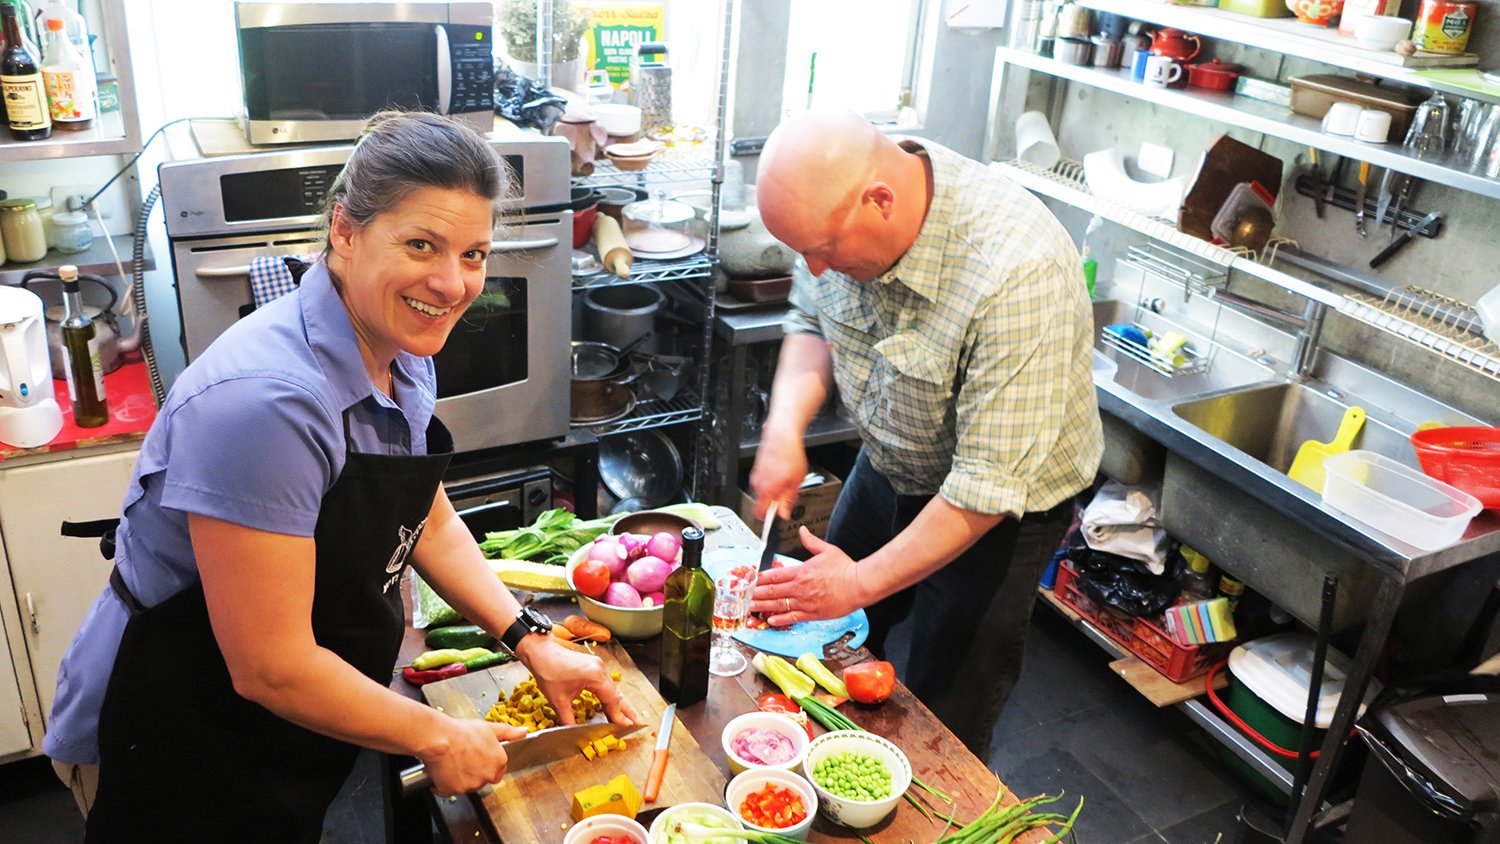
(105, 327)
(1176, 44)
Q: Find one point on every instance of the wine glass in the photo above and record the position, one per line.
(731, 604)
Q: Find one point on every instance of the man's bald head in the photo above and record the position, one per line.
(838, 191)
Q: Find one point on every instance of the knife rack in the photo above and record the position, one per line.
(1344, 198)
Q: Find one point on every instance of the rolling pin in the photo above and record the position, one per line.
(610, 241)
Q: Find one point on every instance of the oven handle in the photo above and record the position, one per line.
(223, 272)
(522, 245)
(444, 70)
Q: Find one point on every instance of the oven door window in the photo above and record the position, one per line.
(338, 71)
(487, 348)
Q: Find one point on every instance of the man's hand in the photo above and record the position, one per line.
(826, 586)
(470, 756)
(562, 673)
(780, 466)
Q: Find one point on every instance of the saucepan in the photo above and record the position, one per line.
(601, 388)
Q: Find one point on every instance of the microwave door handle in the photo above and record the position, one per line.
(444, 70)
(522, 245)
(223, 272)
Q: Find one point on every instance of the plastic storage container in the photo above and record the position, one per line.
(1398, 500)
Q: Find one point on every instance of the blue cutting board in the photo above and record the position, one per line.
(802, 637)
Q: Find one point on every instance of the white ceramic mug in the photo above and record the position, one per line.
(1162, 71)
(1373, 127)
(1341, 119)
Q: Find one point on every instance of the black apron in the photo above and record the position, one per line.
(183, 756)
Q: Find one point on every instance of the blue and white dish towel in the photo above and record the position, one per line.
(271, 277)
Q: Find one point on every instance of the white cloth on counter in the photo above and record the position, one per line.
(271, 278)
(1124, 520)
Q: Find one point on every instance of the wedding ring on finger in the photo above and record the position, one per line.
(788, 604)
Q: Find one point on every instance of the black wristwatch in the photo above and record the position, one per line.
(528, 622)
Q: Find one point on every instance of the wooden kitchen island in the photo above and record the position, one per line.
(937, 756)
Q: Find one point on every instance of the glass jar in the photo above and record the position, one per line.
(21, 229)
(70, 232)
(45, 210)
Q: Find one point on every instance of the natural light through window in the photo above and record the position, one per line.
(847, 54)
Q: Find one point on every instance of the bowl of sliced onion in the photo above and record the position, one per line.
(764, 740)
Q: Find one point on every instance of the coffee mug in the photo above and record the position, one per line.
(1138, 64)
(1373, 127)
(1341, 119)
(1162, 71)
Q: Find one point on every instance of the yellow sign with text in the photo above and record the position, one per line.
(618, 28)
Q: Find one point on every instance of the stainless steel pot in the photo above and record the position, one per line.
(601, 387)
(621, 314)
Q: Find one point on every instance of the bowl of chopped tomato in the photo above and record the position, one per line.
(772, 800)
(606, 829)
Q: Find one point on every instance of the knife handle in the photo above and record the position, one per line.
(1386, 253)
(415, 780)
(653, 779)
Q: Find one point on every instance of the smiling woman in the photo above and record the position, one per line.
(291, 478)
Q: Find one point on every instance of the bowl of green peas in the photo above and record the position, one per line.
(859, 777)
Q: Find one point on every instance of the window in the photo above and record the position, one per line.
(857, 54)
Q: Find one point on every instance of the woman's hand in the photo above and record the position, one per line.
(562, 673)
(471, 758)
(826, 586)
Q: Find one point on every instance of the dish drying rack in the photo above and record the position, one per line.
(1194, 276)
(1439, 324)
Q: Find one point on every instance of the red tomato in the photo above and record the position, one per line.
(780, 703)
(612, 839)
(592, 578)
(773, 807)
(870, 682)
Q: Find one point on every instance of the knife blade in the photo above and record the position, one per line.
(539, 748)
(659, 758)
(1406, 236)
(1404, 195)
(1359, 199)
(1387, 182)
(768, 530)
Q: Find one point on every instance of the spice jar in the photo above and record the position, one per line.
(45, 209)
(71, 233)
(21, 230)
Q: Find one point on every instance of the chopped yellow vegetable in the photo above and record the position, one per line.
(528, 707)
(616, 797)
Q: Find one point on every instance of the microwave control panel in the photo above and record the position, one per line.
(473, 68)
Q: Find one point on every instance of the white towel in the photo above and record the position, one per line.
(1123, 520)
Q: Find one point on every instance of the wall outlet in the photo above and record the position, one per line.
(61, 194)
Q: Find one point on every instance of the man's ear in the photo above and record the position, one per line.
(884, 198)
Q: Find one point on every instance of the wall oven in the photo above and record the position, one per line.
(503, 374)
(315, 71)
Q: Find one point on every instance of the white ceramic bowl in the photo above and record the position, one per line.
(658, 833)
(625, 622)
(858, 814)
(754, 780)
(618, 119)
(1381, 32)
(588, 829)
(782, 724)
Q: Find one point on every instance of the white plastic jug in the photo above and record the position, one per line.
(29, 413)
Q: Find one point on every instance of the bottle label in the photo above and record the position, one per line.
(71, 96)
(68, 368)
(25, 103)
(95, 363)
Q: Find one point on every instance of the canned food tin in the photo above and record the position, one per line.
(1443, 26)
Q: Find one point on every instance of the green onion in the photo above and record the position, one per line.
(698, 832)
(998, 825)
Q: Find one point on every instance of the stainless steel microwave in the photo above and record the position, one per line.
(502, 376)
(314, 72)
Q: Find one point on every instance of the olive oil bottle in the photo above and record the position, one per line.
(80, 344)
(687, 625)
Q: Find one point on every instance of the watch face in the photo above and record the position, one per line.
(536, 620)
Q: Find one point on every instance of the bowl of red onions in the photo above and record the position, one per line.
(619, 580)
(764, 740)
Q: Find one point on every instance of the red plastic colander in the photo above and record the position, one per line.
(1466, 457)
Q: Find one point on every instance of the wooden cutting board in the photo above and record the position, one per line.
(535, 805)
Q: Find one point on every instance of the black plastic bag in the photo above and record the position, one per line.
(1123, 583)
(525, 102)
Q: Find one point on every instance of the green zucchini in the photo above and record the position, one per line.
(460, 637)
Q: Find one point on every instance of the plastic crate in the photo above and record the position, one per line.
(1146, 640)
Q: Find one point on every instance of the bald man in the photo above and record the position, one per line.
(949, 307)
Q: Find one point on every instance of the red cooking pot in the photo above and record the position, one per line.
(585, 205)
(1176, 44)
(1216, 75)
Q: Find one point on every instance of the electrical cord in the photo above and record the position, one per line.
(134, 158)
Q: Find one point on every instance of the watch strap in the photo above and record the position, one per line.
(528, 622)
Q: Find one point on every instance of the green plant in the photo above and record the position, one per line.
(516, 20)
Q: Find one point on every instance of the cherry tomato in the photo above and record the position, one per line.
(592, 578)
(870, 682)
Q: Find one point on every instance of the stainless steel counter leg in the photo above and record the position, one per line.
(1371, 641)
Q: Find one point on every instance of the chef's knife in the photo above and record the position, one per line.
(1359, 198)
(1387, 192)
(1386, 253)
(1404, 195)
(538, 748)
(659, 758)
(767, 532)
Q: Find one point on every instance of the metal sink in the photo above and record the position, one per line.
(1227, 369)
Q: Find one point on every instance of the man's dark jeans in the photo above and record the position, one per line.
(969, 618)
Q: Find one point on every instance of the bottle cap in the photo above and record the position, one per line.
(69, 275)
(54, 24)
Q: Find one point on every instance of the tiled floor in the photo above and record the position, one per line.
(1147, 775)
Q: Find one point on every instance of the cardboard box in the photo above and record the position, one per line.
(814, 507)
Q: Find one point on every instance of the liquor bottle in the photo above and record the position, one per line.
(81, 356)
(687, 625)
(21, 82)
